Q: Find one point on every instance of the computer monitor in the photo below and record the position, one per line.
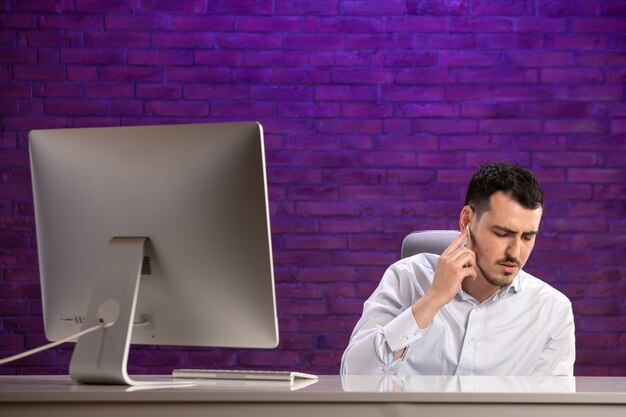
(164, 225)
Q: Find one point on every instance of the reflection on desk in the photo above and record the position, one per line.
(457, 384)
(60, 384)
(233, 384)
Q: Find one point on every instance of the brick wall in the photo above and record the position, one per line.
(376, 113)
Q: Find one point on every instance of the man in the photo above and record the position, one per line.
(472, 310)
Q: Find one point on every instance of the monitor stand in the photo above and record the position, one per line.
(101, 357)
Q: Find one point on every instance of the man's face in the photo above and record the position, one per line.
(503, 238)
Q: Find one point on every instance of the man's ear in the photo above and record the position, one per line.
(467, 215)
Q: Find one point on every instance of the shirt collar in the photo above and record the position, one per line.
(514, 286)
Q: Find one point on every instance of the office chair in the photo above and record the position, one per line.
(427, 241)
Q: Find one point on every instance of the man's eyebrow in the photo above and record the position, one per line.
(514, 232)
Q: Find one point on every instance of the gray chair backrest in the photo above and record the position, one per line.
(427, 241)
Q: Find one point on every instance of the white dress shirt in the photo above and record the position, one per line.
(526, 328)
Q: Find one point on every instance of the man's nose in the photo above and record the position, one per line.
(515, 247)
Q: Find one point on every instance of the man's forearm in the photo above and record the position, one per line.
(425, 309)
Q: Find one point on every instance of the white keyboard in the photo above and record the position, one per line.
(241, 375)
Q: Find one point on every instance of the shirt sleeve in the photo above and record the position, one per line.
(402, 331)
(559, 353)
(386, 326)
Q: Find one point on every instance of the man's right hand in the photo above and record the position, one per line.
(454, 265)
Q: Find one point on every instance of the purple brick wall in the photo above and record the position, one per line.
(375, 113)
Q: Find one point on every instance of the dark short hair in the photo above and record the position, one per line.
(513, 180)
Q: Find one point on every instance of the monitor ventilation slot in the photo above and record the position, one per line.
(145, 266)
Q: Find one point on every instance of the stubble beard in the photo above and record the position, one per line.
(506, 278)
(501, 282)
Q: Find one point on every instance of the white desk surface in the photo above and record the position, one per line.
(362, 396)
(361, 388)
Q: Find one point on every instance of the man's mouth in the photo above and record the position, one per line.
(509, 267)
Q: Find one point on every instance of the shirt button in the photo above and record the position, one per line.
(405, 337)
(470, 342)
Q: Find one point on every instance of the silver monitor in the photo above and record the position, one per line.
(167, 226)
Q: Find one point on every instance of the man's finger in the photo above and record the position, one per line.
(461, 252)
(455, 243)
(471, 273)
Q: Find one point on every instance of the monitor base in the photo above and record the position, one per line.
(101, 357)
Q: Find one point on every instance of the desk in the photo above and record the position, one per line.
(361, 396)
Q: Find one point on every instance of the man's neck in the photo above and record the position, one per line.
(479, 288)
